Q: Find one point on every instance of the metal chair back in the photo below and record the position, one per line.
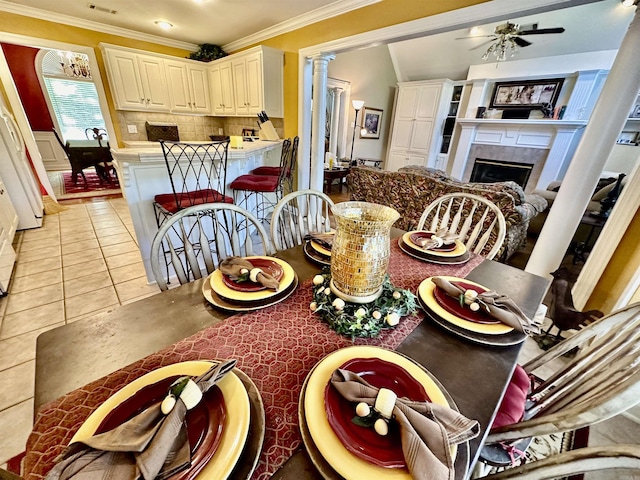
(196, 239)
(479, 223)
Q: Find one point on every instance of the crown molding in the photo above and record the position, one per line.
(40, 14)
(319, 14)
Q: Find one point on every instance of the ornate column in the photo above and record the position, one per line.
(336, 94)
(609, 115)
(318, 118)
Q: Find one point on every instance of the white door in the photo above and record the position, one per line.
(240, 86)
(178, 84)
(254, 84)
(199, 83)
(8, 225)
(153, 83)
(126, 86)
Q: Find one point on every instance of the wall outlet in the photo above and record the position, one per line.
(132, 129)
(221, 131)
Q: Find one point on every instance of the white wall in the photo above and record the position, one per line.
(622, 159)
(373, 80)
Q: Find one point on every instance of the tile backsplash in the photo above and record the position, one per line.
(190, 127)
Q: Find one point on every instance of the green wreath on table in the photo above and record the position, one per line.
(361, 320)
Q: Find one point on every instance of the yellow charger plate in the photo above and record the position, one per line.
(218, 285)
(425, 291)
(236, 402)
(340, 459)
(320, 249)
(460, 249)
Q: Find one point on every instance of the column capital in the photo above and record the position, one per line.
(323, 57)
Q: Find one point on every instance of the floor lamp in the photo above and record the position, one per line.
(357, 105)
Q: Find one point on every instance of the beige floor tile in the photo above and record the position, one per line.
(39, 253)
(34, 298)
(18, 384)
(78, 219)
(80, 227)
(39, 235)
(104, 224)
(136, 288)
(128, 272)
(90, 302)
(119, 248)
(81, 246)
(111, 236)
(83, 269)
(123, 259)
(38, 245)
(32, 320)
(77, 237)
(31, 268)
(81, 257)
(88, 283)
(18, 420)
(31, 282)
(21, 348)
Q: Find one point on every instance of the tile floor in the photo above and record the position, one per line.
(81, 262)
(85, 261)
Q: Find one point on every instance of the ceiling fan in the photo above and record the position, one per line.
(507, 37)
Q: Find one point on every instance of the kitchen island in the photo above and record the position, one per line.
(142, 173)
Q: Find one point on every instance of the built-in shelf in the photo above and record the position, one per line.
(526, 122)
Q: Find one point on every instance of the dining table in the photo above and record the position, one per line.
(81, 364)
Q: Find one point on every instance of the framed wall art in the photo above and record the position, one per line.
(371, 122)
(526, 93)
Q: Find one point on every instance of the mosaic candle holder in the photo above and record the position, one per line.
(360, 252)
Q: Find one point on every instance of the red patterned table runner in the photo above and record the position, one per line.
(276, 347)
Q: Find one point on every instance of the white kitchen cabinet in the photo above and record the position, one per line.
(137, 81)
(221, 81)
(255, 80)
(8, 225)
(419, 113)
(188, 87)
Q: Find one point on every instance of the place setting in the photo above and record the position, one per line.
(317, 247)
(243, 284)
(366, 412)
(473, 311)
(194, 419)
(439, 247)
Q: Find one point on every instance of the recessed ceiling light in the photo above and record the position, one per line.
(628, 3)
(164, 24)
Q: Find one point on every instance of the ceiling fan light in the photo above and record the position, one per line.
(163, 24)
(628, 3)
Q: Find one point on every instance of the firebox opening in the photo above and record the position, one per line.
(489, 171)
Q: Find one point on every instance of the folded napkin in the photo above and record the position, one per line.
(427, 430)
(323, 239)
(239, 269)
(149, 445)
(499, 306)
(438, 239)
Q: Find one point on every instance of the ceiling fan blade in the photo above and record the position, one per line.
(521, 42)
(541, 31)
(475, 36)
(482, 44)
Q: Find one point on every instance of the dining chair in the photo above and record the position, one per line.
(264, 186)
(589, 459)
(602, 380)
(298, 214)
(197, 238)
(479, 223)
(197, 172)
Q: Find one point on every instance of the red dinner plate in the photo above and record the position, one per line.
(364, 442)
(268, 266)
(452, 305)
(417, 236)
(205, 421)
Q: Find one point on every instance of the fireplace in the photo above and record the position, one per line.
(490, 171)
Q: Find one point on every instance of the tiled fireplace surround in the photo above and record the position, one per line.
(548, 145)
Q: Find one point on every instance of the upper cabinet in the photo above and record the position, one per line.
(242, 84)
(418, 115)
(137, 81)
(248, 82)
(188, 87)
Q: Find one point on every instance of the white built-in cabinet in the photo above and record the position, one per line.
(221, 81)
(241, 84)
(188, 87)
(8, 225)
(248, 82)
(418, 119)
(137, 81)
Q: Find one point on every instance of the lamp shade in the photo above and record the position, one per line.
(357, 104)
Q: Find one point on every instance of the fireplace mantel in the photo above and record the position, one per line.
(557, 137)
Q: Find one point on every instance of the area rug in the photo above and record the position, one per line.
(65, 189)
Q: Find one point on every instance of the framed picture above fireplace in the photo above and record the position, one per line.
(530, 94)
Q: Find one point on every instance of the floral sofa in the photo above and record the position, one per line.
(411, 189)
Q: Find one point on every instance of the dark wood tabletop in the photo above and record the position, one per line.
(71, 356)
